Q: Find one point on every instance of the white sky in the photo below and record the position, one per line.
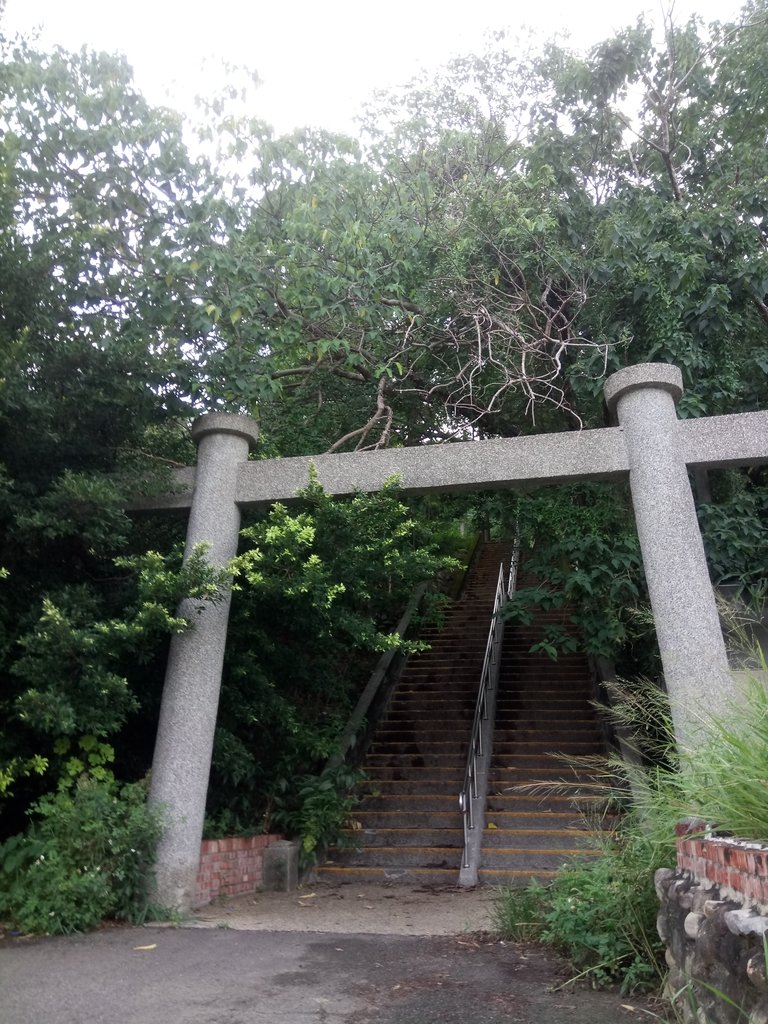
(317, 60)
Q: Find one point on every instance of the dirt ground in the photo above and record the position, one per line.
(363, 909)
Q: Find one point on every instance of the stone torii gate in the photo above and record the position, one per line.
(650, 446)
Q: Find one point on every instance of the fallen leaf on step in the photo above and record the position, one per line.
(626, 1006)
(307, 895)
(491, 825)
(144, 948)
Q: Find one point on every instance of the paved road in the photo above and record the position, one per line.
(203, 976)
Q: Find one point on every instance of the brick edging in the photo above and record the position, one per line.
(737, 867)
(231, 867)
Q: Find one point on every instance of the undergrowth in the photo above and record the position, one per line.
(85, 857)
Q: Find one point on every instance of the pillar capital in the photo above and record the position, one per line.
(225, 423)
(661, 376)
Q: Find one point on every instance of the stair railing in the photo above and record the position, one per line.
(475, 788)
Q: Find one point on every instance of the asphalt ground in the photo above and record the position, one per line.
(219, 975)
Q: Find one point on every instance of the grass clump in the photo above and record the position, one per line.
(727, 779)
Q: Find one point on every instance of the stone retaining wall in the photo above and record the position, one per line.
(714, 920)
(231, 867)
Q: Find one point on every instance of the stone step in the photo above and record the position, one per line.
(504, 761)
(508, 711)
(538, 839)
(386, 780)
(397, 819)
(546, 744)
(415, 760)
(418, 802)
(413, 785)
(393, 731)
(513, 878)
(450, 747)
(505, 803)
(427, 857)
(418, 836)
(529, 859)
(525, 720)
(389, 875)
(552, 738)
(436, 690)
(539, 820)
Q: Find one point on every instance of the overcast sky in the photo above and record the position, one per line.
(317, 60)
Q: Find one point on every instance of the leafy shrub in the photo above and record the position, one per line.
(321, 587)
(735, 534)
(85, 858)
(581, 544)
(316, 809)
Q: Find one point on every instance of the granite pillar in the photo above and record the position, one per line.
(184, 744)
(687, 624)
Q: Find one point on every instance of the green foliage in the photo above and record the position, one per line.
(315, 809)
(601, 915)
(517, 915)
(728, 781)
(580, 543)
(735, 531)
(506, 233)
(68, 662)
(85, 857)
(98, 202)
(339, 572)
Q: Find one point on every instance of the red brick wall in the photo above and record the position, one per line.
(739, 868)
(230, 867)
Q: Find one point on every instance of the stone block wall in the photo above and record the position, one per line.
(714, 921)
(231, 867)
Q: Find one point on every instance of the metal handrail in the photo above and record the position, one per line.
(488, 680)
(479, 742)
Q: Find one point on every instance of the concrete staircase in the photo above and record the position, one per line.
(543, 709)
(408, 824)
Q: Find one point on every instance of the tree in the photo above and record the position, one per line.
(98, 199)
